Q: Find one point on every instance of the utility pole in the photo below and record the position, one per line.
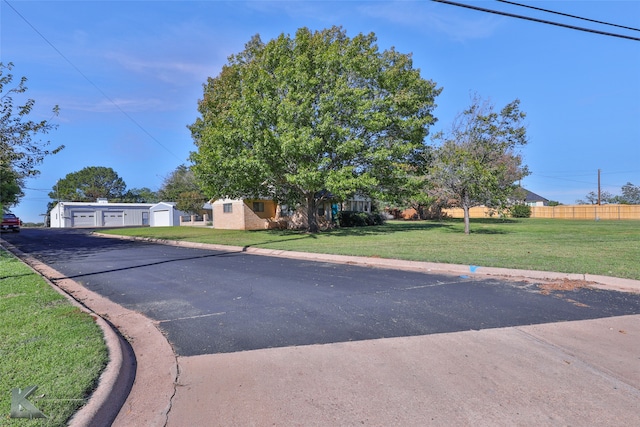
(598, 187)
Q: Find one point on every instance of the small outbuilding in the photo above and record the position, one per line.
(164, 214)
(99, 214)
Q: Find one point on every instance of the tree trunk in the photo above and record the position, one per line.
(465, 208)
(312, 221)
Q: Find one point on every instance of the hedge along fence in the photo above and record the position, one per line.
(588, 212)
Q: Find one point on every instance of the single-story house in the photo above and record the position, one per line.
(260, 214)
(532, 199)
(99, 214)
(164, 214)
(244, 214)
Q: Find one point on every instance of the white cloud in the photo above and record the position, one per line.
(104, 105)
(168, 71)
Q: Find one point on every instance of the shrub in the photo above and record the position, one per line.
(359, 219)
(520, 211)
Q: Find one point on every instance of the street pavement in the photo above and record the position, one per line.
(583, 372)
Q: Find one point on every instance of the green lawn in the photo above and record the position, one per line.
(47, 342)
(610, 248)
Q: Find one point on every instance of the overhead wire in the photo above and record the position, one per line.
(107, 97)
(568, 15)
(543, 21)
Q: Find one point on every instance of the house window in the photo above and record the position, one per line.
(284, 210)
(227, 208)
(258, 206)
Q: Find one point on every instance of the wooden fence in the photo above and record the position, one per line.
(588, 212)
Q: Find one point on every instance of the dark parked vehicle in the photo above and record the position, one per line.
(10, 222)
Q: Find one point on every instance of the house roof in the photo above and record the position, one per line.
(530, 196)
(165, 203)
(102, 204)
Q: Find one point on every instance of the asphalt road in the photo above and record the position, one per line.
(209, 302)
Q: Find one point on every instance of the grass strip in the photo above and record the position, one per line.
(44, 341)
(609, 248)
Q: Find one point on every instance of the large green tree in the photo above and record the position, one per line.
(477, 162)
(181, 187)
(318, 111)
(20, 149)
(141, 195)
(89, 184)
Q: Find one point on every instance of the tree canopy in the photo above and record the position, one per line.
(318, 111)
(181, 187)
(141, 195)
(20, 149)
(477, 162)
(630, 196)
(89, 184)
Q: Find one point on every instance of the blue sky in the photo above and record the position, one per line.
(127, 76)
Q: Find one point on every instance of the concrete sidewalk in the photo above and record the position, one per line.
(573, 373)
(570, 373)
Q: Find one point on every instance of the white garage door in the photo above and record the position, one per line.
(113, 218)
(161, 218)
(84, 219)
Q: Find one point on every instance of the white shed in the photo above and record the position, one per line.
(99, 214)
(164, 214)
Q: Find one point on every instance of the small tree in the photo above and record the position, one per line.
(181, 187)
(477, 162)
(630, 194)
(592, 198)
(20, 151)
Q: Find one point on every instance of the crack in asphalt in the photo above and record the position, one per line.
(192, 317)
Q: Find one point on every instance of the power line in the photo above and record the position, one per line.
(562, 179)
(567, 15)
(543, 21)
(91, 82)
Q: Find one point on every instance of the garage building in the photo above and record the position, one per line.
(99, 214)
(165, 214)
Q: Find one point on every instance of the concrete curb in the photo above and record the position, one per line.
(602, 282)
(143, 361)
(101, 404)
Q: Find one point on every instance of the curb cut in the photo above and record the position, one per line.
(595, 281)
